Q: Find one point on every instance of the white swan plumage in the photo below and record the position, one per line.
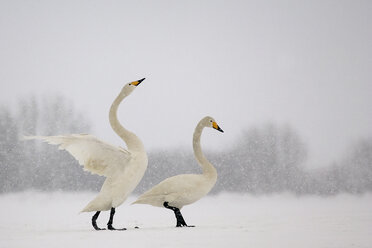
(122, 168)
(177, 191)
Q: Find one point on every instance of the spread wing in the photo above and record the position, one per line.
(97, 157)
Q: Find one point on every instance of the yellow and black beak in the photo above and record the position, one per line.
(136, 83)
(215, 126)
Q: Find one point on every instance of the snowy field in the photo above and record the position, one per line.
(34, 219)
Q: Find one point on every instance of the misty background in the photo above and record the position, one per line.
(288, 81)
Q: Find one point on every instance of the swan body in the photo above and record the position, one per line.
(122, 168)
(178, 191)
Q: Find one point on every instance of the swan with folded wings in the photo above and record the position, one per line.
(175, 192)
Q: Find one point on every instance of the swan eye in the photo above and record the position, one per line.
(211, 121)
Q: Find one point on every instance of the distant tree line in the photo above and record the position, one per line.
(35, 165)
(265, 159)
(270, 159)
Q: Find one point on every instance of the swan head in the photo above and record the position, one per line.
(129, 87)
(210, 122)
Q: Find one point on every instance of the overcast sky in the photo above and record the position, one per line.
(303, 63)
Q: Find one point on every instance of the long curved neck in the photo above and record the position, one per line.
(207, 167)
(131, 140)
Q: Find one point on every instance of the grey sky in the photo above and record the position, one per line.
(302, 63)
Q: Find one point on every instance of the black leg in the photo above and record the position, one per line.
(94, 219)
(180, 221)
(111, 221)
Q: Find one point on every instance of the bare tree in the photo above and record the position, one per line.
(9, 156)
(34, 165)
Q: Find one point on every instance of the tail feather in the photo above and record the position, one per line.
(53, 140)
(156, 201)
(31, 137)
(100, 203)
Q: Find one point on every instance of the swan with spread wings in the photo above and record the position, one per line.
(122, 168)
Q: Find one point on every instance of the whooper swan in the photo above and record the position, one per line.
(177, 191)
(122, 168)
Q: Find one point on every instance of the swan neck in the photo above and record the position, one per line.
(133, 143)
(207, 167)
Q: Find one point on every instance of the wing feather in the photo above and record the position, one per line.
(96, 156)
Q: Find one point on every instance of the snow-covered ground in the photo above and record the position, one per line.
(33, 219)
